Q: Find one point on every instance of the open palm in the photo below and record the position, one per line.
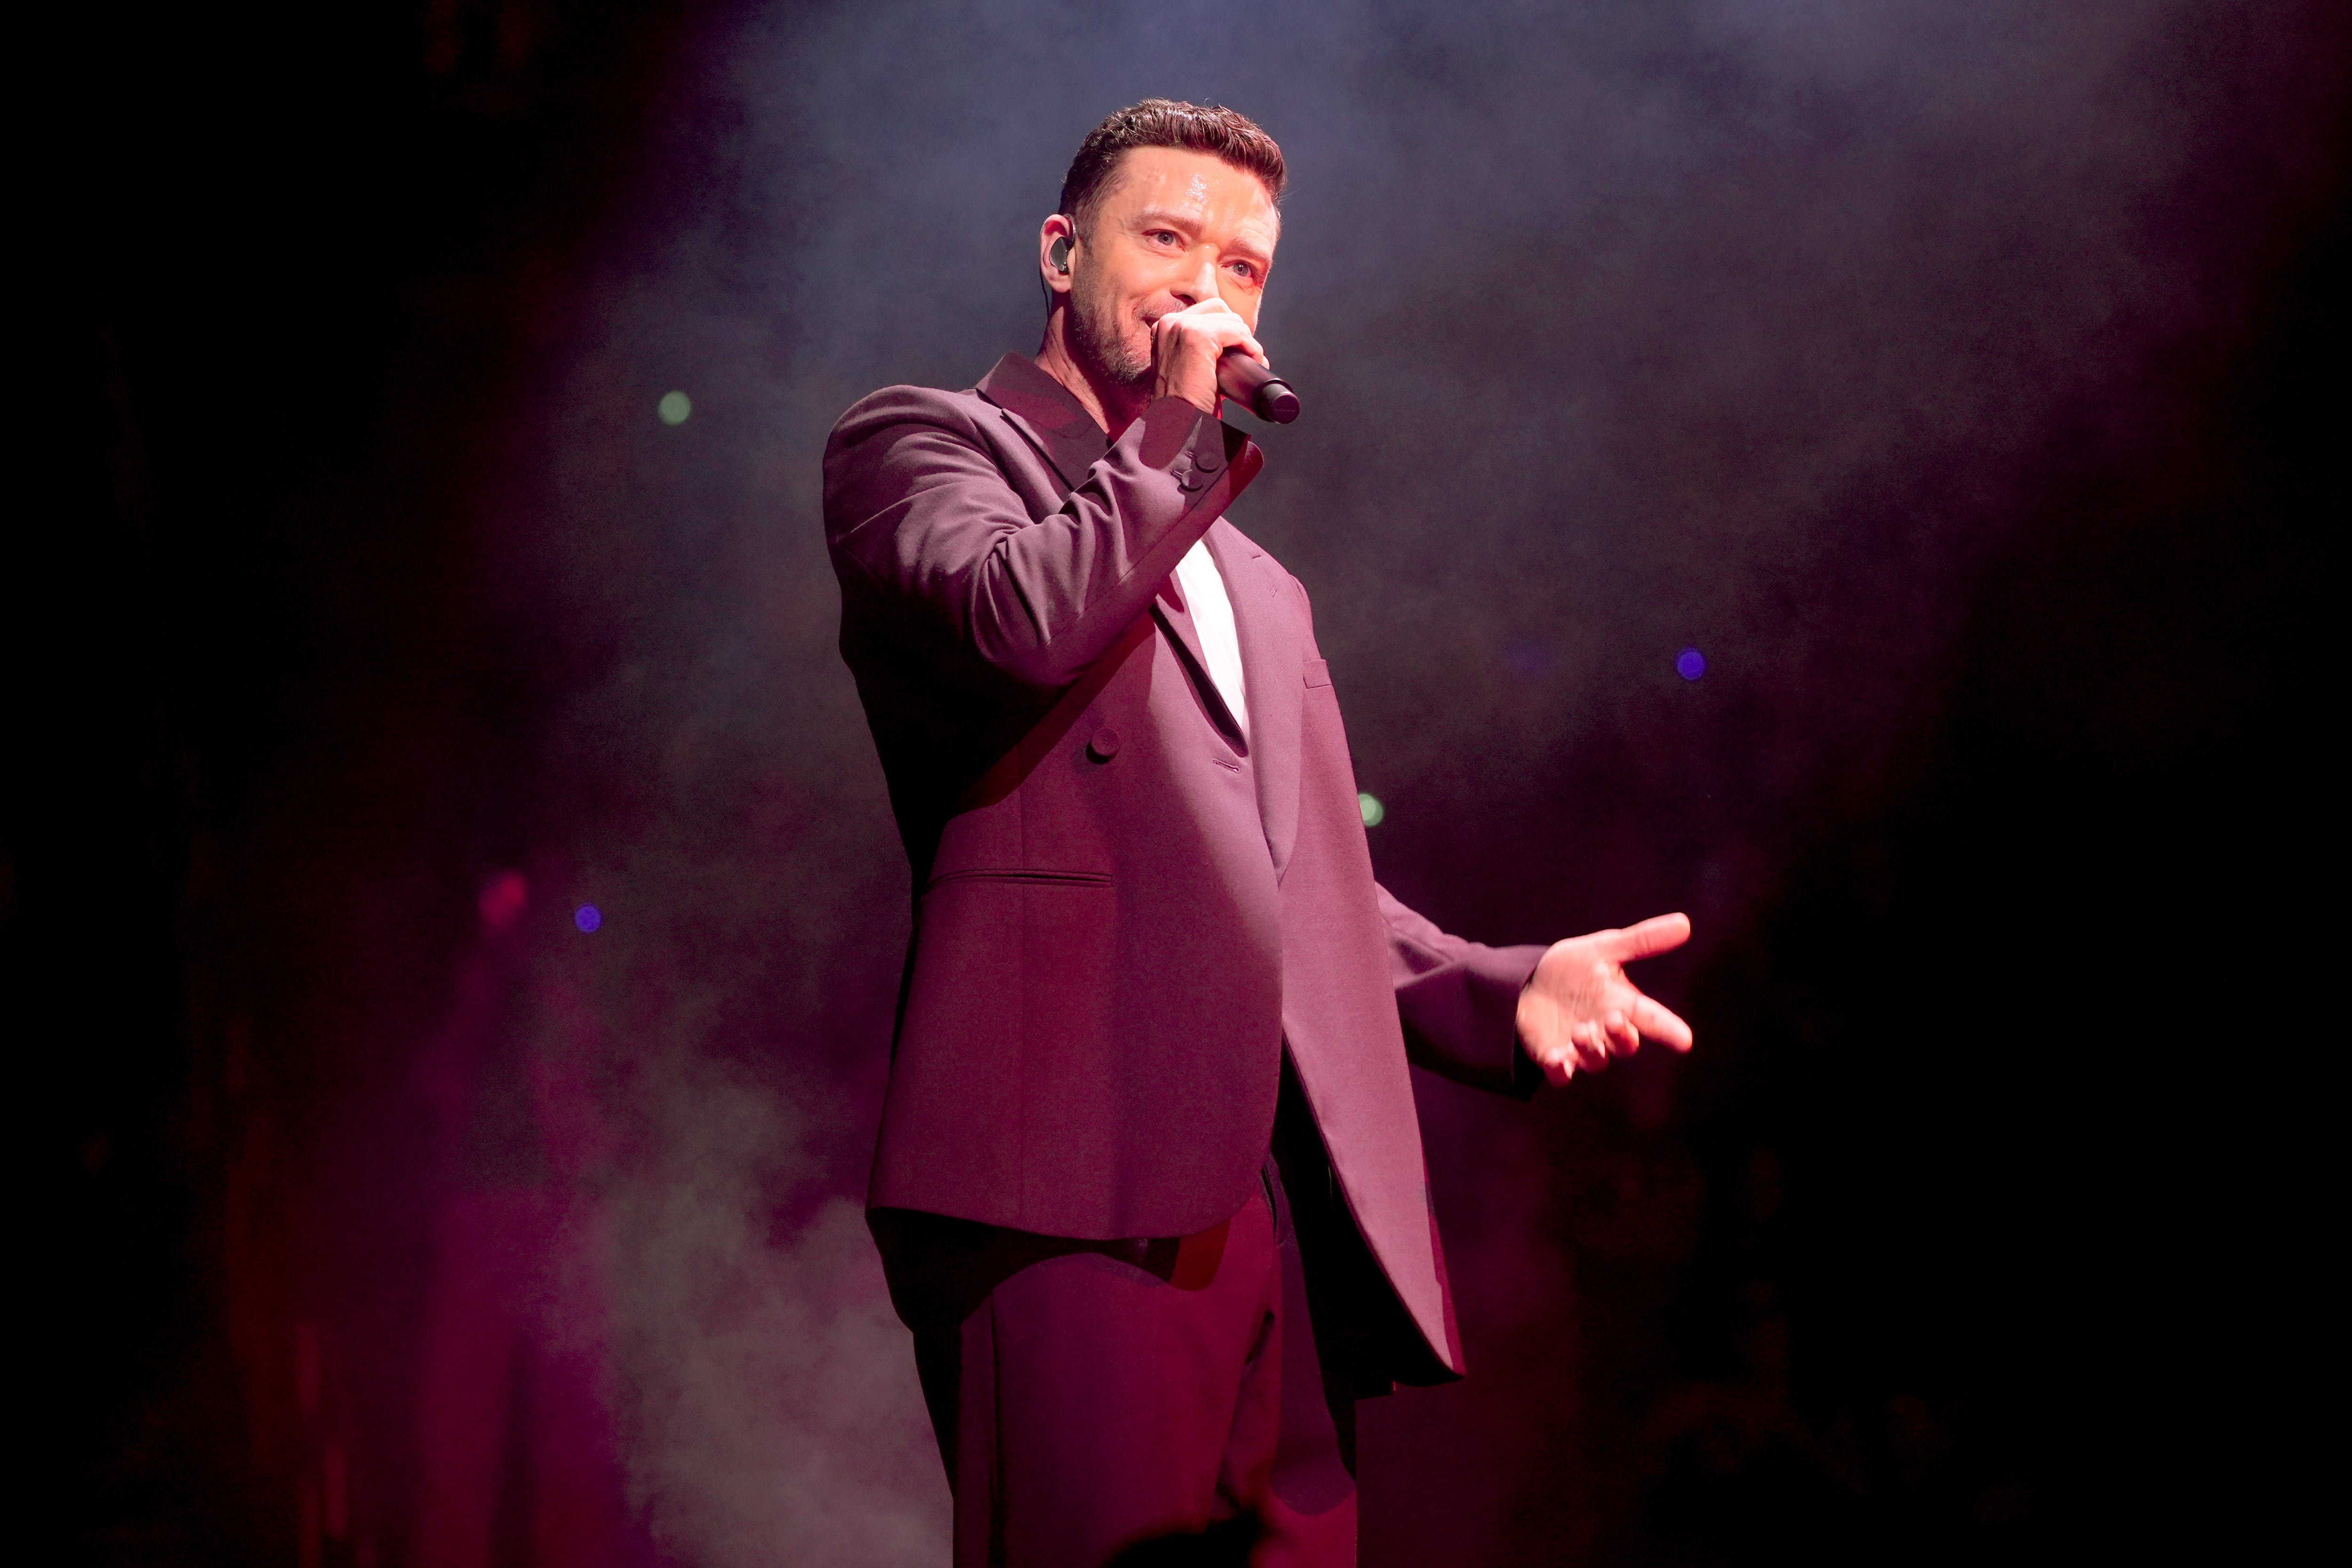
(1579, 1009)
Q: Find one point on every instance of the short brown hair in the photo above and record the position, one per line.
(1208, 128)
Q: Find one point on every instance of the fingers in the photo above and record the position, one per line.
(1580, 1047)
(1186, 345)
(1213, 326)
(1620, 1031)
(1626, 1019)
(1659, 933)
(1578, 1010)
(1661, 1024)
(1625, 1038)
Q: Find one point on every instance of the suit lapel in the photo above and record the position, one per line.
(1268, 635)
(1176, 615)
(1067, 436)
(1046, 415)
(1043, 411)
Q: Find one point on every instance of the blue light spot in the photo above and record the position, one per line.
(1690, 663)
(1374, 812)
(587, 917)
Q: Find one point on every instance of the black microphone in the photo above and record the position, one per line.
(1256, 388)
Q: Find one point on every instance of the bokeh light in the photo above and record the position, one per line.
(502, 899)
(1374, 812)
(674, 407)
(588, 917)
(1690, 663)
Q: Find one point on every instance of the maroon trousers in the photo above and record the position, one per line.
(1137, 1401)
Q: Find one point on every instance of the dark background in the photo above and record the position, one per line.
(1964, 380)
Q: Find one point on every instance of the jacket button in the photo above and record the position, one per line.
(1105, 745)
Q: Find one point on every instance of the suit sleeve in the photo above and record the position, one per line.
(1459, 1002)
(923, 525)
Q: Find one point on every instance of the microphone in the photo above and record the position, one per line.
(1256, 388)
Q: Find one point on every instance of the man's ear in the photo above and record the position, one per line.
(1055, 237)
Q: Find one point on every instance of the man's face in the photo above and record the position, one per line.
(1173, 228)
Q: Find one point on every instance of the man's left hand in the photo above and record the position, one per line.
(1578, 1009)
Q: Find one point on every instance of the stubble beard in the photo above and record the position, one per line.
(1101, 348)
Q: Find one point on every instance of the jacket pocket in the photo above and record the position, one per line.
(1317, 672)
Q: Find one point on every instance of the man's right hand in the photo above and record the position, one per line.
(1186, 345)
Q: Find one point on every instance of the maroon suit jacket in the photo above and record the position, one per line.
(1123, 909)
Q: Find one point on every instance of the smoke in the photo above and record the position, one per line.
(775, 1414)
(1627, 326)
(767, 1396)
(1623, 326)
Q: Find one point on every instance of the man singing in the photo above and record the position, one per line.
(1149, 1188)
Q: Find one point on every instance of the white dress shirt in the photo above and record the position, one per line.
(1203, 588)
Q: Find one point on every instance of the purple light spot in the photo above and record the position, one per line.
(587, 917)
(1690, 663)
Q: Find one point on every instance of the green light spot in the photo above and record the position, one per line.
(674, 407)
(1372, 809)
